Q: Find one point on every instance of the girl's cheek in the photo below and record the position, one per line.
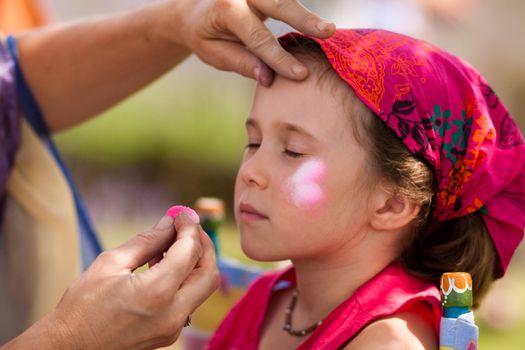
(304, 187)
(307, 196)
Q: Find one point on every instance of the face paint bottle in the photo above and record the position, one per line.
(211, 214)
(458, 330)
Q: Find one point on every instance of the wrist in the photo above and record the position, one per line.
(48, 333)
(68, 331)
(171, 24)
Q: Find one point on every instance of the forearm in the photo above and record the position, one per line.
(80, 69)
(46, 334)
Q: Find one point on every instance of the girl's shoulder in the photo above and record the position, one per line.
(385, 313)
(412, 329)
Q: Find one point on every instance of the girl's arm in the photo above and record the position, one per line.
(80, 69)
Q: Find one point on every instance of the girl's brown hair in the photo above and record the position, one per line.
(461, 244)
(458, 245)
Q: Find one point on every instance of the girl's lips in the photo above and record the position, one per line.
(249, 213)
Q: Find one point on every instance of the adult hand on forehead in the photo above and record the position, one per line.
(230, 35)
(111, 307)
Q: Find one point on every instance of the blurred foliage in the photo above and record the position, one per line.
(163, 124)
(511, 339)
(178, 137)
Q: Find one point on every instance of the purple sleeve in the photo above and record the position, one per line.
(9, 116)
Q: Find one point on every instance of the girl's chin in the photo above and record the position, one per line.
(261, 254)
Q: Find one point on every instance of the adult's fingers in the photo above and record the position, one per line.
(296, 15)
(155, 260)
(261, 42)
(201, 282)
(234, 57)
(180, 259)
(140, 249)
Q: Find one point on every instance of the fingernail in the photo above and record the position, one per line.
(179, 209)
(298, 70)
(189, 217)
(324, 25)
(164, 223)
(257, 74)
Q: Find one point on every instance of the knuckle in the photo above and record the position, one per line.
(244, 67)
(143, 236)
(196, 248)
(192, 247)
(200, 248)
(223, 7)
(215, 278)
(280, 4)
(259, 38)
(222, 11)
(282, 59)
(107, 257)
(146, 237)
(194, 240)
(311, 19)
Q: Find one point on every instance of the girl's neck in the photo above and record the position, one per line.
(323, 285)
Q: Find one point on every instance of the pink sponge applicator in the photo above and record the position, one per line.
(176, 210)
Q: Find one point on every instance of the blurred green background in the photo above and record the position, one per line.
(182, 137)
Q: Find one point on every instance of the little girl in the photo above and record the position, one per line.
(392, 163)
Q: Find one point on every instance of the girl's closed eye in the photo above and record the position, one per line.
(287, 151)
(293, 154)
(252, 145)
(295, 148)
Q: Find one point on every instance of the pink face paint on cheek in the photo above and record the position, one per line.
(305, 185)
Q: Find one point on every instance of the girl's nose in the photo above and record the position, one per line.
(254, 171)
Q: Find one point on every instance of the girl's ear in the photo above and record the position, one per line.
(390, 212)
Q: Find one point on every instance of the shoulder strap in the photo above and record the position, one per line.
(90, 244)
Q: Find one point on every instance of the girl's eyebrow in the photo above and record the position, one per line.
(294, 128)
(286, 126)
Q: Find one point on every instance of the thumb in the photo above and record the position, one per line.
(144, 246)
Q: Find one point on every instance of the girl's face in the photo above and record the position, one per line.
(299, 192)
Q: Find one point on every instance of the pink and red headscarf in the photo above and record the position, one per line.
(446, 113)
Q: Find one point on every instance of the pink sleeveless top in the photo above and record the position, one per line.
(391, 291)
